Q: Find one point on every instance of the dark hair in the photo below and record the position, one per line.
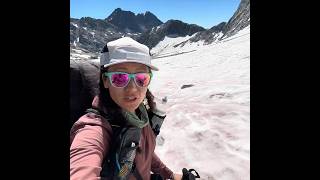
(112, 109)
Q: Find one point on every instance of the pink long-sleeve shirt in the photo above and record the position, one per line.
(90, 141)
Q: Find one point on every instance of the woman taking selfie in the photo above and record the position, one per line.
(116, 139)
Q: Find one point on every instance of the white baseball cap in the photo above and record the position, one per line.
(125, 50)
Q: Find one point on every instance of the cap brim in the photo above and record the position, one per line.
(135, 61)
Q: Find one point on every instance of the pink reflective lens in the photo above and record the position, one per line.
(142, 79)
(119, 79)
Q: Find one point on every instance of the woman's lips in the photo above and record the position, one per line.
(130, 99)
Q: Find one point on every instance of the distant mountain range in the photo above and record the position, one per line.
(172, 28)
(128, 22)
(90, 35)
(239, 20)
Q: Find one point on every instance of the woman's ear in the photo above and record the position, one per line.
(105, 82)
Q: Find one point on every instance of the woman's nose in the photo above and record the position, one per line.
(131, 85)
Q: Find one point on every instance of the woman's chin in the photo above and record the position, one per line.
(131, 107)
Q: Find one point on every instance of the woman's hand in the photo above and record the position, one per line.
(177, 176)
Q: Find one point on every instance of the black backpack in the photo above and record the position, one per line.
(119, 163)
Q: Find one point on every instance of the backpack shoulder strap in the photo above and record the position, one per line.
(156, 119)
(119, 162)
(98, 112)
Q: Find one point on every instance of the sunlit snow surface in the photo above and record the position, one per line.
(207, 127)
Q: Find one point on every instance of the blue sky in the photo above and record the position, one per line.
(205, 13)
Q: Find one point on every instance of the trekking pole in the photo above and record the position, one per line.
(188, 175)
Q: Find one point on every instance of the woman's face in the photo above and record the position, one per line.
(132, 95)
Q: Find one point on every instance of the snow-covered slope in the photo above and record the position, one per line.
(179, 45)
(166, 46)
(208, 123)
(82, 54)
